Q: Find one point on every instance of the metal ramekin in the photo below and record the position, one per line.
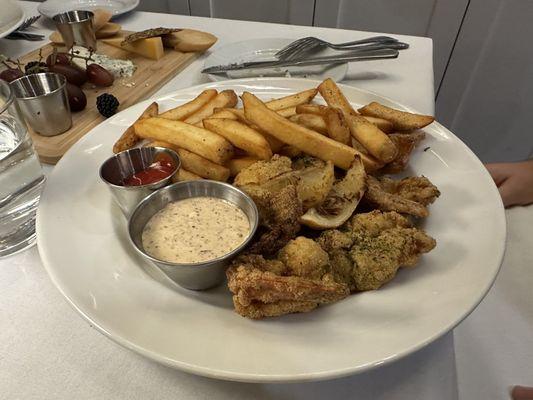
(126, 163)
(201, 275)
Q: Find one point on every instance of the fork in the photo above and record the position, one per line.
(32, 37)
(310, 43)
(19, 34)
(27, 23)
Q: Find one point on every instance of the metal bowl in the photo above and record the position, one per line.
(126, 163)
(197, 276)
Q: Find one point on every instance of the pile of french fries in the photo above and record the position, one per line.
(215, 139)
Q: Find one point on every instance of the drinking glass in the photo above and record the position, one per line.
(21, 177)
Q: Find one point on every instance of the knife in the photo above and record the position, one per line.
(353, 56)
(32, 37)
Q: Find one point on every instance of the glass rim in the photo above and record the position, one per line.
(10, 98)
(17, 81)
(57, 18)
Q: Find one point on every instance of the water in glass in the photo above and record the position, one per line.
(21, 178)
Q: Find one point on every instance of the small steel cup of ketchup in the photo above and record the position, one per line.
(134, 174)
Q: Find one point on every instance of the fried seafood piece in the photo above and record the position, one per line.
(261, 172)
(384, 242)
(305, 258)
(373, 223)
(266, 288)
(258, 310)
(408, 196)
(333, 239)
(370, 248)
(406, 143)
(338, 244)
(312, 177)
(272, 186)
(250, 284)
(282, 192)
(342, 268)
(280, 214)
(418, 189)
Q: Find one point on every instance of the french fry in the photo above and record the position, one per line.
(129, 138)
(236, 165)
(224, 113)
(219, 113)
(292, 100)
(369, 135)
(311, 121)
(239, 113)
(405, 142)
(287, 112)
(401, 120)
(226, 98)
(308, 141)
(336, 125)
(187, 109)
(372, 138)
(316, 109)
(241, 136)
(238, 153)
(358, 146)
(383, 124)
(196, 164)
(274, 143)
(189, 137)
(284, 112)
(184, 175)
(334, 97)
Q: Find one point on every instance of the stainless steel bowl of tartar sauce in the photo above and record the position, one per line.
(192, 230)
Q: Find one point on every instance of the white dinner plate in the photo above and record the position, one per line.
(49, 8)
(83, 243)
(11, 16)
(264, 50)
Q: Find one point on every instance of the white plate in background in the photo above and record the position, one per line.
(49, 8)
(84, 247)
(264, 50)
(11, 17)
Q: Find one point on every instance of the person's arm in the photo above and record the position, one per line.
(515, 182)
(522, 393)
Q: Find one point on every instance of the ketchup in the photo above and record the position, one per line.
(161, 168)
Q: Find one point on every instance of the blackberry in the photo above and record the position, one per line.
(35, 67)
(107, 104)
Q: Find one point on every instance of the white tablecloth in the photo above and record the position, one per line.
(47, 351)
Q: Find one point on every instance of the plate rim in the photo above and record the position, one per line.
(42, 7)
(17, 24)
(274, 378)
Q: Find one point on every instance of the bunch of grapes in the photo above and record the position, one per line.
(61, 63)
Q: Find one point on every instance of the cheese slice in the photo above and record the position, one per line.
(150, 48)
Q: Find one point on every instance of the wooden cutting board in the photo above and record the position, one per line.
(147, 79)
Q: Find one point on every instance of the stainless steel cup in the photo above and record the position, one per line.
(203, 275)
(126, 163)
(43, 100)
(76, 28)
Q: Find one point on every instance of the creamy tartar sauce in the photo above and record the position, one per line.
(195, 230)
